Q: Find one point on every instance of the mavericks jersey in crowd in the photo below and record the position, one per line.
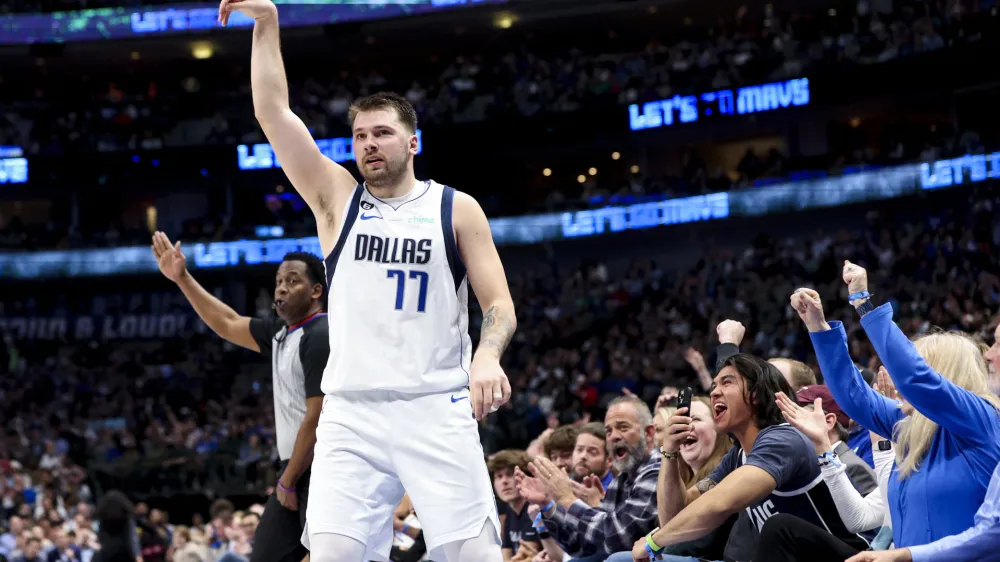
(788, 456)
(398, 296)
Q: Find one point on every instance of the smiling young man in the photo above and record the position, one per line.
(772, 469)
(297, 342)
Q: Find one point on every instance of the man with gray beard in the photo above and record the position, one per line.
(628, 510)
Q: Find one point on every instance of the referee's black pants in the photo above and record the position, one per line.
(279, 533)
(786, 538)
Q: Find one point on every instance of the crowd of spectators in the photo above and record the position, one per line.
(192, 414)
(132, 112)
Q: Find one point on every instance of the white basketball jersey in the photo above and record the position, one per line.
(398, 309)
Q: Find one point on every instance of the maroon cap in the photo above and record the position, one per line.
(808, 394)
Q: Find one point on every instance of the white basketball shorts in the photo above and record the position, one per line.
(370, 447)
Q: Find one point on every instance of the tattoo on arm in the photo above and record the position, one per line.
(498, 329)
(705, 484)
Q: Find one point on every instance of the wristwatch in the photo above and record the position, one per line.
(865, 307)
(670, 456)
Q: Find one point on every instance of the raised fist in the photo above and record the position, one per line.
(810, 308)
(731, 331)
(855, 277)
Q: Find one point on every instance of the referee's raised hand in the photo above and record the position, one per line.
(169, 257)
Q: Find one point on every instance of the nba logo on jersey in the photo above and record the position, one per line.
(398, 282)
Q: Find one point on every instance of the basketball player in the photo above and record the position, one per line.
(298, 343)
(400, 255)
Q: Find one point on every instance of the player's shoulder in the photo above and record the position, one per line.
(465, 209)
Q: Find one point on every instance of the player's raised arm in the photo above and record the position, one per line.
(219, 316)
(489, 386)
(316, 178)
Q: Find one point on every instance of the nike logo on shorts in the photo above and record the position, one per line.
(453, 399)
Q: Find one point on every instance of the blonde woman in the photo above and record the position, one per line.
(946, 428)
(701, 450)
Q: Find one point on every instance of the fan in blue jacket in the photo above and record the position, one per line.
(946, 428)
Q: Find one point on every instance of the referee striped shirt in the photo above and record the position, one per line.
(298, 357)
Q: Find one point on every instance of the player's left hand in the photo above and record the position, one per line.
(290, 501)
(488, 386)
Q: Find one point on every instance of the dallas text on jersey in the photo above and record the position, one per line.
(392, 250)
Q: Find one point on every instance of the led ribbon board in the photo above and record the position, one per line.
(853, 186)
(749, 100)
(13, 168)
(117, 23)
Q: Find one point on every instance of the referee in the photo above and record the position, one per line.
(298, 345)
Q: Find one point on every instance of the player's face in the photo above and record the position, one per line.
(589, 457)
(383, 147)
(293, 292)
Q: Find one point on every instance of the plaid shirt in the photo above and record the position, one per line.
(626, 514)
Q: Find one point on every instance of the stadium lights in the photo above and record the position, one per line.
(202, 50)
(615, 156)
(547, 172)
(135, 55)
(592, 171)
(581, 178)
(504, 20)
(634, 169)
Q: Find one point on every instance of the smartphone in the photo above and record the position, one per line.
(684, 399)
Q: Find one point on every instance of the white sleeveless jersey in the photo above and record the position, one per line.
(398, 308)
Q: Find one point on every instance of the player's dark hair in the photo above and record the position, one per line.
(763, 382)
(314, 269)
(386, 100)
